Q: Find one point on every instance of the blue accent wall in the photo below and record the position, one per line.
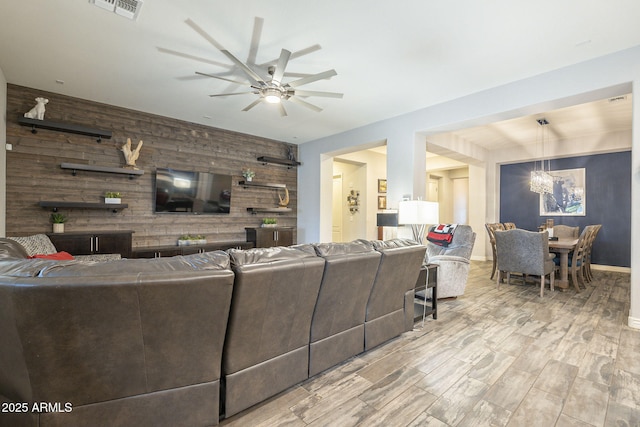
(608, 202)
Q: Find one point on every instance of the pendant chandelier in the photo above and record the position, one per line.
(541, 181)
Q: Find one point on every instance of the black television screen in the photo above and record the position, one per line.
(192, 192)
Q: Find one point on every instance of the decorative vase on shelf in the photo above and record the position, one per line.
(58, 227)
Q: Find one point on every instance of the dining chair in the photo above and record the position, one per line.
(491, 228)
(524, 252)
(509, 225)
(587, 263)
(577, 258)
(565, 231)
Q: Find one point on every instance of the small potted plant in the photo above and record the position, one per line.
(112, 197)
(269, 222)
(248, 174)
(191, 239)
(58, 221)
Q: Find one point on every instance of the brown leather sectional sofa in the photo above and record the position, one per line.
(184, 340)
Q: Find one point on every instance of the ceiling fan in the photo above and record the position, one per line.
(270, 89)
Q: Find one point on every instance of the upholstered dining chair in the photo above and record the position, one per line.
(491, 228)
(565, 231)
(524, 252)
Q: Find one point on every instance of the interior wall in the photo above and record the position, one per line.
(34, 173)
(376, 169)
(354, 178)
(3, 153)
(607, 197)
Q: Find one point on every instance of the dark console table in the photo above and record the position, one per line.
(427, 279)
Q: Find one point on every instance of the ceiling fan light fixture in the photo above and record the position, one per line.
(272, 95)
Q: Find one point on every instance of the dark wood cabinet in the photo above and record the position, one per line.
(266, 237)
(97, 242)
(172, 250)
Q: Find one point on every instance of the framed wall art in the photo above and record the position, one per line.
(382, 186)
(569, 196)
(382, 202)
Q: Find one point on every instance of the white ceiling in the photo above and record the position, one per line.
(391, 57)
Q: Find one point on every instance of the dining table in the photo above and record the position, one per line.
(562, 247)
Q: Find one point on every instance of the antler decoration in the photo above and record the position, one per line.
(284, 201)
(131, 156)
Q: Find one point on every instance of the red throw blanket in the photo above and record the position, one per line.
(441, 234)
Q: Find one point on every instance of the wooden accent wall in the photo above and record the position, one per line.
(34, 173)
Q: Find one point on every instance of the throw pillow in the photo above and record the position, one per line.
(36, 244)
(58, 256)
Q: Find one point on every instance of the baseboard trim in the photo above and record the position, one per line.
(613, 268)
(634, 322)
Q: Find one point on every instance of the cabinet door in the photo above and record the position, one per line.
(117, 243)
(265, 237)
(75, 244)
(284, 237)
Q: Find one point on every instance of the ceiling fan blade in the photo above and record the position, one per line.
(305, 103)
(195, 58)
(313, 78)
(228, 94)
(222, 78)
(280, 66)
(255, 40)
(316, 93)
(298, 75)
(283, 112)
(255, 78)
(204, 34)
(253, 104)
(295, 54)
(305, 51)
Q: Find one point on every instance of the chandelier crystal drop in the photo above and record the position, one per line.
(541, 181)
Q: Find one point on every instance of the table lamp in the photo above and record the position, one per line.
(418, 214)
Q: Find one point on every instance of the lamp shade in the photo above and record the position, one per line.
(417, 212)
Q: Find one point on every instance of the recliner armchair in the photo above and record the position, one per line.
(453, 261)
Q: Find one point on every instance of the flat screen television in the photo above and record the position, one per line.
(179, 191)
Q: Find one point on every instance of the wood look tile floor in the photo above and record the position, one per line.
(493, 358)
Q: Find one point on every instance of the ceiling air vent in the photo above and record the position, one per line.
(617, 98)
(127, 8)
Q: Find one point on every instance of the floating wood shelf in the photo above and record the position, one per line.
(261, 184)
(275, 160)
(75, 167)
(82, 205)
(269, 210)
(64, 127)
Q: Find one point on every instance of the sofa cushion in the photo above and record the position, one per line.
(264, 255)
(10, 249)
(355, 247)
(36, 244)
(379, 245)
(216, 260)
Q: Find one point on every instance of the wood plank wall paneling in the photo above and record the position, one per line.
(34, 173)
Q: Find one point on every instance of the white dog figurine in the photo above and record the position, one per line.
(37, 112)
